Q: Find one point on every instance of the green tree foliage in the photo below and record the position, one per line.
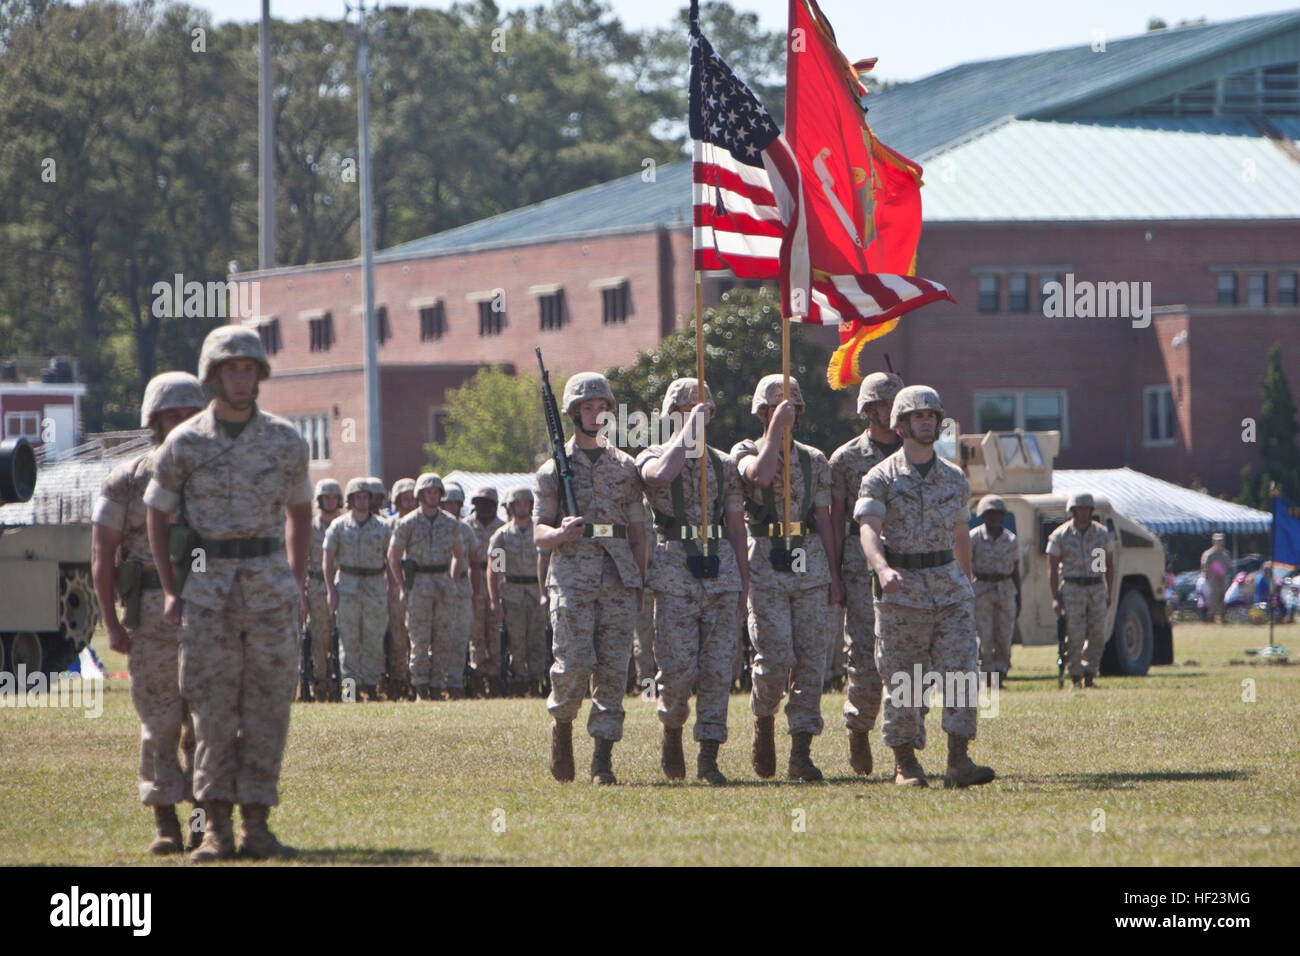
(742, 339)
(495, 423)
(1276, 435)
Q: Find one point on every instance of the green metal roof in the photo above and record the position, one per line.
(923, 117)
(1121, 170)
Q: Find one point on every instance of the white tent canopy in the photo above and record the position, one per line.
(1161, 506)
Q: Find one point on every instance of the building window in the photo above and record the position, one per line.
(269, 332)
(614, 304)
(490, 321)
(322, 333)
(1158, 415)
(551, 310)
(1043, 280)
(433, 322)
(1257, 288)
(382, 332)
(1018, 293)
(315, 430)
(23, 425)
(988, 297)
(1286, 288)
(1227, 288)
(1033, 411)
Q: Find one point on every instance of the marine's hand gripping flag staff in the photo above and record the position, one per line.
(831, 212)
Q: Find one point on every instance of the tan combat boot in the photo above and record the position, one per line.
(256, 841)
(218, 834)
(193, 832)
(562, 750)
(673, 760)
(706, 764)
(801, 764)
(962, 771)
(602, 762)
(907, 769)
(169, 838)
(763, 752)
(859, 752)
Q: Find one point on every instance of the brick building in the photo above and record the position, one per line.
(1167, 159)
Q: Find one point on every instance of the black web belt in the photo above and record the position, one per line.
(431, 568)
(520, 579)
(916, 560)
(1083, 579)
(360, 572)
(240, 547)
(992, 577)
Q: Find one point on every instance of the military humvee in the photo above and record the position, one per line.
(1017, 466)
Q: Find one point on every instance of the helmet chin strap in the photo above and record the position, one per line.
(577, 423)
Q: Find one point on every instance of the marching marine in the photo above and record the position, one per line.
(849, 465)
(328, 498)
(399, 642)
(995, 562)
(232, 472)
(913, 518)
(514, 594)
(1081, 574)
(425, 546)
(484, 645)
(355, 546)
(123, 566)
(794, 585)
(698, 595)
(594, 580)
(465, 588)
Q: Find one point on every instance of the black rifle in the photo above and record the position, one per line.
(305, 676)
(1060, 651)
(336, 677)
(555, 430)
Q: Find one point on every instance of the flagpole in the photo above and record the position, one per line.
(699, 398)
(785, 436)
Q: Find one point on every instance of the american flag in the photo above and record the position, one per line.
(747, 212)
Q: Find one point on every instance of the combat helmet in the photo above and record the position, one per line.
(230, 342)
(517, 493)
(170, 390)
(401, 487)
(768, 392)
(990, 503)
(355, 485)
(583, 386)
(453, 492)
(915, 398)
(326, 486)
(1079, 499)
(683, 391)
(428, 479)
(878, 387)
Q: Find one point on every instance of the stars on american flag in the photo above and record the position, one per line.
(729, 115)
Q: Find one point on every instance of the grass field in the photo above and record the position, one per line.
(1179, 768)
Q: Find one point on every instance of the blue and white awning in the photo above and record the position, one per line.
(1161, 506)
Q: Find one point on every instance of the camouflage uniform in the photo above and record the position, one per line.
(789, 618)
(433, 602)
(320, 619)
(1084, 600)
(461, 622)
(644, 667)
(165, 721)
(993, 561)
(512, 552)
(399, 642)
(1216, 563)
(695, 619)
(930, 622)
(849, 465)
(592, 584)
(238, 647)
(362, 585)
(484, 650)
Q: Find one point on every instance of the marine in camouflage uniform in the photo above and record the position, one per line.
(120, 554)
(698, 596)
(789, 609)
(513, 593)
(484, 641)
(642, 668)
(320, 619)
(233, 471)
(430, 539)
(995, 562)
(849, 465)
(462, 625)
(596, 572)
(925, 608)
(356, 576)
(399, 642)
(1081, 574)
(1216, 565)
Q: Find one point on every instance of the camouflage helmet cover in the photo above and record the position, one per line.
(682, 391)
(402, 486)
(230, 342)
(488, 492)
(583, 386)
(327, 486)
(355, 485)
(768, 392)
(915, 398)
(878, 387)
(1079, 499)
(453, 492)
(376, 487)
(428, 479)
(518, 493)
(990, 503)
(170, 390)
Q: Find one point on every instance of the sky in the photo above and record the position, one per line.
(911, 39)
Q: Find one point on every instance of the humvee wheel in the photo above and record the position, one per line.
(1132, 643)
(77, 607)
(24, 649)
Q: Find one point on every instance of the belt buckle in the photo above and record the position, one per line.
(602, 531)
